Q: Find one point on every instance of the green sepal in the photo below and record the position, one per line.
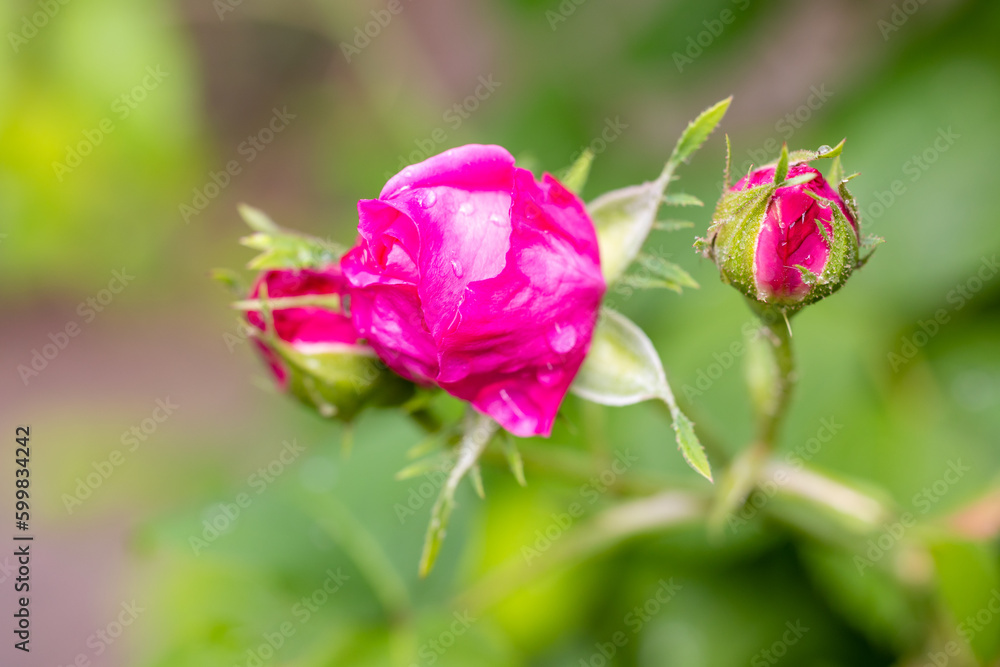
(575, 178)
(284, 249)
(478, 431)
(681, 199)
(231, 280)
(781, 169)
(623, 368)
(338, 383)
(672, 225)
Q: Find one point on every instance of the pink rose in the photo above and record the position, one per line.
(471, 275)
(309, 328)
(315, 352)
(790, 235)
(787, 244)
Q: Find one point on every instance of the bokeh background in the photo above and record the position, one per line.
(117, 122)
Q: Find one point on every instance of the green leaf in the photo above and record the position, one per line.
(479, 430)
(281, 248)
(699, 130)
(648, 282)
(690, 446)
(476, 477)
(575, 177)
(257, 220)
(836, 174)
(232, 280)
(868, 245)
(781, 171)
(672, 225)
(681, 199)
(513, 458)
(667, 271)
(623, 368)
(797, 180)
(442, 461)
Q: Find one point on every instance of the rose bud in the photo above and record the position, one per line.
(471, 275)
(783, 236)
(312, 347)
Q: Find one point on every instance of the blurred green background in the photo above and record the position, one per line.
(118, 121)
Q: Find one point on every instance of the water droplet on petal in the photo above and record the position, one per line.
(562, 339)
(457, 268)
(497, 219)
(465, 208)
(429, 199)
(549, 376)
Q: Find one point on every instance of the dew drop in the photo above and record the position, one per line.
(465, 209)
(457, 268)
(824, 149)
(549, 376)
(429, 199)
(562, 339)
(497, 220)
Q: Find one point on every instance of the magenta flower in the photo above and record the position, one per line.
(471, 275)
(790, 236)
(787, 240)
(313, 349)
(306, 328)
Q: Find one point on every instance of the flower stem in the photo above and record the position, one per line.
(778, 337)
(771, 388)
